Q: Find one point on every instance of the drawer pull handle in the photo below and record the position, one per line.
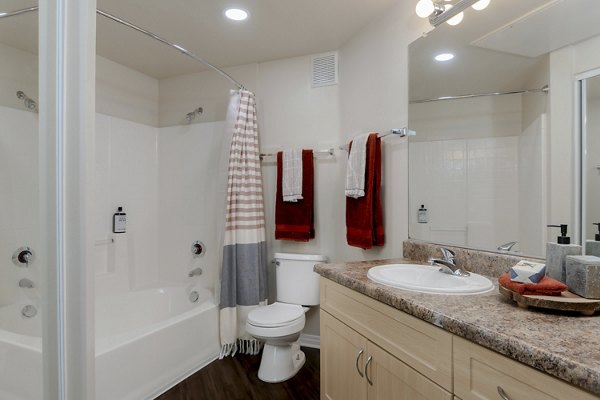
(358, 358)
(367, 370)
(502, 394)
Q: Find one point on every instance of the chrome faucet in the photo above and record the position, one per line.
(448, 263)
(506, 246)
(195, 272)
(448, 255)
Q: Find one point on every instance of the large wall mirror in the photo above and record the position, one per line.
(481, 164)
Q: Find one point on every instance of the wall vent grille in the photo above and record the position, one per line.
(324, 69)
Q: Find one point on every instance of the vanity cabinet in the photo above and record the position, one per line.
(368, 351)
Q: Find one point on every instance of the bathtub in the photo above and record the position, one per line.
(146, 342)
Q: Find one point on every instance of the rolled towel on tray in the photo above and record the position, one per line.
(545, 287)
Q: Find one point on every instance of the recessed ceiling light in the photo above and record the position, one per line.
(236, 14)
(444, 57)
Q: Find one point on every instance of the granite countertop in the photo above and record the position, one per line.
(565, 346)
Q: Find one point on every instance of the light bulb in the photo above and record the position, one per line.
(424, 8)
(457, 19)
(481, 4)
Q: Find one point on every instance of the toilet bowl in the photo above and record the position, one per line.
(279, 325)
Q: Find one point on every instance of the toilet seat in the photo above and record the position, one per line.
(276, 315)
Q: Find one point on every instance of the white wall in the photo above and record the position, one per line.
(374, 97)
(120, 91)
(182, 94)
(125, 93)
(531, 189)
(192, 179)
(19, 214)
(126, 157)
(290, 113)
(18, 71)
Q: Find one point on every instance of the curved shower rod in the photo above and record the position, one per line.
(145, 32)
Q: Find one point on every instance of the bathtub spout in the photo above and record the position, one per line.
(195, 272)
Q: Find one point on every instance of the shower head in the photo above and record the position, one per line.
(29, 103)
(189, 117)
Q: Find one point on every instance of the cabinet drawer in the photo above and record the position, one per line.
(478, 372)
(422, 346)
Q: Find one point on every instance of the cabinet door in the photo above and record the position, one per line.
(340, 371)
(389, 378)
(481, 374)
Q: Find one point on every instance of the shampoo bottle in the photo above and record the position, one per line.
(422, 217)
(119, 221)
(592, 247)
(556, 254)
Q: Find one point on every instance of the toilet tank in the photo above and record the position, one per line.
(296, 281)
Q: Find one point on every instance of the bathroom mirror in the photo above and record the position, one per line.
(481, 169)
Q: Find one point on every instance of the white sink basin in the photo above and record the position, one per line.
(428, 279)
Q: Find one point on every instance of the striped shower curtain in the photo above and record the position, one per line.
(244, 268)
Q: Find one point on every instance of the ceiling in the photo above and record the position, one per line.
(276, 29)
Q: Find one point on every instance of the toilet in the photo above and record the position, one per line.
(279, 325)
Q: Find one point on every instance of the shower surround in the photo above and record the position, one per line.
(170, 181)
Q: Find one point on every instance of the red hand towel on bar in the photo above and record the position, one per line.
(295, 221)
(545, 287)
(364, 216)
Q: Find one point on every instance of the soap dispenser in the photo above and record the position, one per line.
(592, 247)
(556, 254)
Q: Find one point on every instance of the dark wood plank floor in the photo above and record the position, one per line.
(236, 378)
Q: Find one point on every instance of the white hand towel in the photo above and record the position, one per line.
(355, 171)
(291, 181)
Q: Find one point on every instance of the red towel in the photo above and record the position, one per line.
(295, 221)
(545, 287)
(364, 216)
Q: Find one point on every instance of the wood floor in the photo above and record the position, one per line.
(235, 378)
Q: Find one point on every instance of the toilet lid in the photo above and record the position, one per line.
(275, 315)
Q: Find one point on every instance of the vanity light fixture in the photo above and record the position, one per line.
(444, 57)
(236, 14)
(452, 13)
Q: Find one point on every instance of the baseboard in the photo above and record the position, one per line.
(158, 392)
(313, 341)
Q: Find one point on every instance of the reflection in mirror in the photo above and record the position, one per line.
(592, 165)
(478, 163)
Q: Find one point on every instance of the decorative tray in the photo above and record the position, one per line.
(567, 301)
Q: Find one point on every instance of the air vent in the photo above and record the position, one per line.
(324, 69)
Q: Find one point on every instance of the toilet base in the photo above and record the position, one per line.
(280, 362)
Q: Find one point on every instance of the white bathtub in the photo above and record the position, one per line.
(146, 341)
